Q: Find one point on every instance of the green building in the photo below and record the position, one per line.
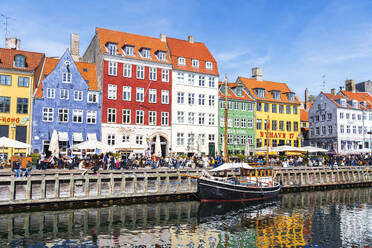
(240, 120)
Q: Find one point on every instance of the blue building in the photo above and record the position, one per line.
(67, 100)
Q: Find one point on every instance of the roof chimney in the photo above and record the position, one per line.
(257, 73)
(306, 99)
(350, 85)
(74, 46)
(13, 43)
(191, 39)
(163, 37)
(333, 91)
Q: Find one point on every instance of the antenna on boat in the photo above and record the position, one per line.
(225, 141)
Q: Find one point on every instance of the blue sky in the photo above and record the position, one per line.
(300, 42)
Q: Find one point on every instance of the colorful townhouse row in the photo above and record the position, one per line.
(129, 90)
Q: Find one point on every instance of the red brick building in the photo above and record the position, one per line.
(134, 73)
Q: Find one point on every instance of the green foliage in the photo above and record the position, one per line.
(35, 157)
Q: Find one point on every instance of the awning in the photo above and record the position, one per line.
(62, 136)
(77, 137)
(91, 136)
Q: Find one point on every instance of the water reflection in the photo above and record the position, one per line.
(338, 218)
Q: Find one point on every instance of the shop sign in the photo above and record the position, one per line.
(277, 135)
(13, 120)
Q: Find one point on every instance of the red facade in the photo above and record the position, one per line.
(119, 80)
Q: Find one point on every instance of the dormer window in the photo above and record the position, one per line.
(276, 94)
(66, 77)
(129, 50)
(209, 65)
(195, 63)
(112, 48)
(291, 96)
(364, 104)
(145, 53)
(162, 56)
(19, 61)
(181, 61)
(343, 103)
(355, 104)
(261, 93)
(239, 91)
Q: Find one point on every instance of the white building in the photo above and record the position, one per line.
(194, 98)
(341, 122)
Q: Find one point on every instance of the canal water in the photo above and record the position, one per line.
(336, 218)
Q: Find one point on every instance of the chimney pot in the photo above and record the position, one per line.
(191, 39)
(257, 73)
(13, 43)
(163, 37)
(333, 91)
(74, 46)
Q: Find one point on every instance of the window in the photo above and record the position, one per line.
(330, 130)
(191, 79)
(211, 137)
(181, 61)
(201, 81)
(129, 51)
(274, 108)
(66, 78)
(329, 115)
(140, 95)
(112, 49)
(281, 109)
(191, 98)
(341, 115)
(140, 116)
(360, 129)
(125, 138)
(111, 115)
(111, 91)
(201, 99)
(152, 74)
(126, 116)
(243, 123)
(91, 117)
(229, 104)
(19, 61)
(250, 140)
(354, 130)
(77, 116)
(244, 106)
(236, 105)
(92, 97)
(51, 93)
(276, 94)
(191, 117)
(211, 82)
(353, 116)
(48, 114)
(229, 139)
(259, 124)
(261, 93)
(370, 116)
(164, 118)
(289, 125)
(195, 63)
(291, 96)
(162, 56)
(347, 129)
(180, 117)
(111, 139)
(211, 119)
(165, 75)
(295, 110)
(209, 65)
(140, 72)
(323, 117)
(152, 117)
(250, 106)
(236, 123)
(127, 70)
(201, 118)
(295, 126)
(180, 139)
(78, 95)
(127, 92)
(63, 115)
(317, 118)
(347, 116)
(180, 77)
(152, 96)
(165, 97)
(5, 80)
(145, 53)
(180, 97)
(211, 100)
(222, 103)
(281, 125)
(23, 81)
(259, 106)
(243, 140)
(267, 107)
(274, 125)
(359, 117)
(317, 131)
(112, 68)
(22, 105)
(250, 123)
(288, 109)
(63, 94)
(342, 129)
(229, 122)
(202, 139)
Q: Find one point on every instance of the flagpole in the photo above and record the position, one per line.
(225, 143)
(267, 140)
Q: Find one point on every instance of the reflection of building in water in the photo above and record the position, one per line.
(194, 236)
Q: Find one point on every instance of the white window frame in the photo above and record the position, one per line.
(180, 97)
(181, 61)
(127, 70)
(112, 91)
(195, 63)
(140, 94)
(129, 50)
(165, 75)
(201, 99)
(66, 77)
(152, 74)
(111, 112)
(162, 56)
(127, 93)
(211, 119)
(145, 53)
(126, 116)
(191, 118)
(211, 82)
(140, 72)
(77, 116)
(91, 117)
(92, 94)
(180, 117)
(164, 97)
(209, 65)
(191, 98)
(64, 113)
(152, 95)
(152, 118)
(66, 94)
(164, 118)
(51, 93)
(140, 117)
(79, 94)
(48, 114)
(112, 68)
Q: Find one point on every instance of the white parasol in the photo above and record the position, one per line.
(53, 145)
(157, 151)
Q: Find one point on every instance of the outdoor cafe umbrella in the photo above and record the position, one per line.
(11, 143)
(93, 145)
(157, 147)
(311, 149)
(247, 149)
(288, 149)
(264, 149)
(53, 145)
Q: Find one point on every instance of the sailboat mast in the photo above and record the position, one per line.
(267, 140)
(225, 140)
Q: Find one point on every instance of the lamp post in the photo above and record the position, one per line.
(13, 127)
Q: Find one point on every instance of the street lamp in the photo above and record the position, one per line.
(13, 127)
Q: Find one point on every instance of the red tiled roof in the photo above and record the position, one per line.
(138, 41)
(89, 74)
(360, 97)
(333, 98)
(232, 95)
(304, 115)
(196, 50)
(33, 59)
(251, 84)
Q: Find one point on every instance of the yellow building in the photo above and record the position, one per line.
(277, 108)
(19, 74)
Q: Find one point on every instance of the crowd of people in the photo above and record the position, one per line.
(111, 161)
